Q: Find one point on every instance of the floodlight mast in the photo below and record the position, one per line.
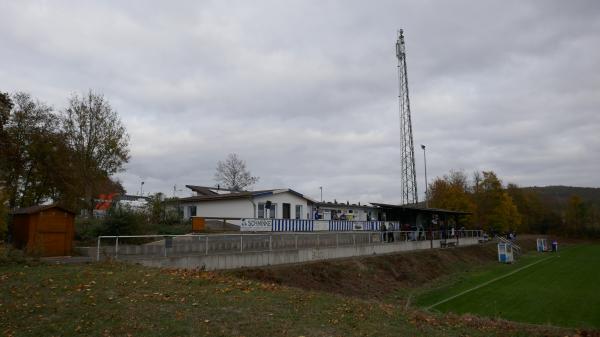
(407, 152)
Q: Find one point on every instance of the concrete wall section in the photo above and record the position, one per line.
(258, 259)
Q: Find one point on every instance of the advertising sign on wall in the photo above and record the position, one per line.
(358, 226)
(256, 225)
(321, 225)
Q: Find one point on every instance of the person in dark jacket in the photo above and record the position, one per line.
(390, 234)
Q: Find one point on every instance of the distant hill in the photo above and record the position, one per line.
(558, 196)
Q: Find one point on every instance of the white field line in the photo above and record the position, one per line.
(486, 283)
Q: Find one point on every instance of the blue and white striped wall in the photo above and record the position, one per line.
(298, 225)
(292, 225)
(372, 225)
(341, 225)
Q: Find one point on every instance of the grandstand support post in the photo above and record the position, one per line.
(98, 250)
(430, 236)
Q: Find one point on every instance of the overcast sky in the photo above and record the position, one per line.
(306, 91)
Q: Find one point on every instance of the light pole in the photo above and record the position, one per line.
(321, 188)
(426, 188)
(142, 189)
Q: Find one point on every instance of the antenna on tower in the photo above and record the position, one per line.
(407, 151)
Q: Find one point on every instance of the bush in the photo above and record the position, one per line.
(123, 221)
(118, 221)
(88, 229)
(9, 255)
(126, 221)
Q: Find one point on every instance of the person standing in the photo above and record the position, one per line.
(383, 230)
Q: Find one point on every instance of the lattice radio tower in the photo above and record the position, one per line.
(407, 151)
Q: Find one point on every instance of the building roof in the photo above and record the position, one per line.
(39, 208)
(203, 190)
(242, 195)
(341, 204)
(131, 197)
(418, 207)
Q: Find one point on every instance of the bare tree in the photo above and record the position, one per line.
(232, 173)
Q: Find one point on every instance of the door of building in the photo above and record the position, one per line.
(286, 211)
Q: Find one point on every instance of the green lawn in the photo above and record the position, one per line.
(114, 299)
(563, 290)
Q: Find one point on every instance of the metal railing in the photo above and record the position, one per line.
(515, 246)
(131, 246)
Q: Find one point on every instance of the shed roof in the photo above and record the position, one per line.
(39, 208)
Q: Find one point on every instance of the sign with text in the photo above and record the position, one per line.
(358, 225)
(256, 225)
(321, 225)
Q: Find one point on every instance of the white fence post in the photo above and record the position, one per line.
(241, 243)
(270, 242)
(336, 240)
(117, 248)
(98, 250)
(296, 240)
(206, 244)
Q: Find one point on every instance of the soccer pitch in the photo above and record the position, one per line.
(560, 289)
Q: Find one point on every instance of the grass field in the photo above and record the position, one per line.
(114, 299)
(559, 289)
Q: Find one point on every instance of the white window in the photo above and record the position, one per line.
(298, 211)
(260, 212)
(192, 211)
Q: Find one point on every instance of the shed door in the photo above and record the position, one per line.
(53, 233)
(53, 244)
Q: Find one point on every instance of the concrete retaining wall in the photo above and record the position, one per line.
(258, 259)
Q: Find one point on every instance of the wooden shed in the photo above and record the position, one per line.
(47, 230)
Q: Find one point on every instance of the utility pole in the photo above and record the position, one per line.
(321, 188)
(407, 152)
(426, 188)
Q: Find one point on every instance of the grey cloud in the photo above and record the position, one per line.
(306, 92)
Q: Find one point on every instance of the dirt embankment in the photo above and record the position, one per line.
(376, 276)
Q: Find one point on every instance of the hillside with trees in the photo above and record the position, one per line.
(572, 211)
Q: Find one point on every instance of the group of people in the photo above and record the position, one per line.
(386, 236)
(339, 215)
